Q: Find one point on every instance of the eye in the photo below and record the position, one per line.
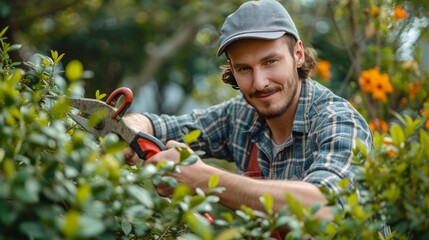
(271, 61)
(243, 69)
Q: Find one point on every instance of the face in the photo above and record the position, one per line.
(266, 73)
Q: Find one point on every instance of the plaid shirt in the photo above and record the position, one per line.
(319, 150)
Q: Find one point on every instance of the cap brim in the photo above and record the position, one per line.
(256, 35)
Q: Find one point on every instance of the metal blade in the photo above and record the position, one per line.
(83, 122)
(91, 106)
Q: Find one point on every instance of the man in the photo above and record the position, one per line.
(286, 133)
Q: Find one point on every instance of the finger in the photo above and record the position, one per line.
(163, 190)
(130, 156)
(174, 144)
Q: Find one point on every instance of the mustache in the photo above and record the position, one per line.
(266, 91)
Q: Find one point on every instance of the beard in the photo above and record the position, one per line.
(272, 110)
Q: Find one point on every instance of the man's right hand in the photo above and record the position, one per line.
(140, 123)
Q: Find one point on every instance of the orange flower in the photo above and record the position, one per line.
(414, 88)
(399, 13)
(378, 125)
(324, 69)
(381, 87)
(371, 81)
(365, 79)
(391, 153)
(374, 10)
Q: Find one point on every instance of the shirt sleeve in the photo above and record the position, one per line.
(335, 135)
(213, 122)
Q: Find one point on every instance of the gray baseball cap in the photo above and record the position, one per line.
(264, 19)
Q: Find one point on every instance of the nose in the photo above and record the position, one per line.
(260, 79)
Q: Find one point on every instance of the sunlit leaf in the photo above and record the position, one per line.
(230, 233)
(3, 31)
(192, 136)
(180, 192)
(74, 70)
(295, 206)
(343, 183)
(71, 224)
(213, 181)
(228, 217)
(199, 225)
(398, 136)
(267, 202)
(96, 118)
(99, 96)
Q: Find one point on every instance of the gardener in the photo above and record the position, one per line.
(286, 133)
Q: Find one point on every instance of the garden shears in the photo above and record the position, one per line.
(116, 105)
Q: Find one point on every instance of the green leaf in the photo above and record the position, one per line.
(315, 208)
(141, 195)
(61, 107)
(83, 192)
(398, 136)
(213, 181)
(90, 227)
(70, 225)
(99, 96)
(228, 217)
(180, 192)
(424, 139)
(170, 181)
(3, 31)
(295, 206)
(15, 47)
(227, 234)
(343, 183)
(126, 226)
(34, 230)
(191, 159)
(198, 225)
(392, 193)
(267, 202)
(54, 54)
(96, 118)
(184, 153)
(74, 70)
(192, 136)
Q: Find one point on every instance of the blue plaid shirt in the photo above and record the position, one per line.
(319, 150)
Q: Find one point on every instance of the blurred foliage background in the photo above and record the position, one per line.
(165, 50)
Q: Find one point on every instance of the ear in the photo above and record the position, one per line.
(299, 54)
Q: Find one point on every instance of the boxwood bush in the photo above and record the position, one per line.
(59, 182)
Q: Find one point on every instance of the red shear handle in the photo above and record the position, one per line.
(114, 97)
(146, 145)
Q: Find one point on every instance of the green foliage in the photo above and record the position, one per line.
(58, 182)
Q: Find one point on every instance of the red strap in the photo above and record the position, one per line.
(253, 170)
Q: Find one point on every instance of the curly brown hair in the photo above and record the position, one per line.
(303, 71)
